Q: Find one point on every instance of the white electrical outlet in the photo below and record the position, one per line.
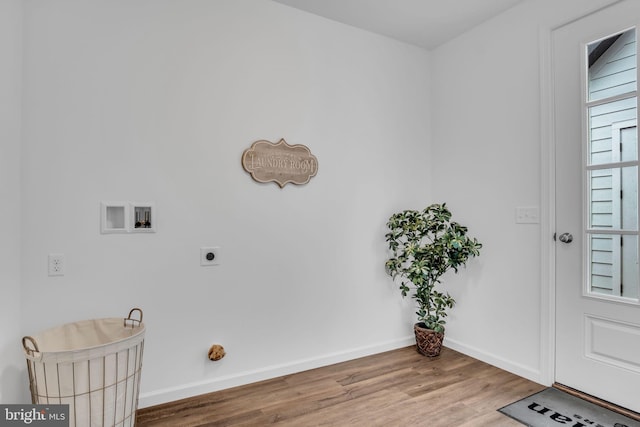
(56, 264)
(210, 256)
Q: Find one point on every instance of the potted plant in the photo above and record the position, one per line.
(425, 245)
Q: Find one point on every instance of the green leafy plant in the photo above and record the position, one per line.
(425, 245)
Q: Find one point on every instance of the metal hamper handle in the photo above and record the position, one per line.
(133, 322)
(34, 346)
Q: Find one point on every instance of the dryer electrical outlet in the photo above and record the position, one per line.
(210, 256)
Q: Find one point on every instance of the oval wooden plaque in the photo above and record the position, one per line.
(279, 162)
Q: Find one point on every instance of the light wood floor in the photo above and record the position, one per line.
(396, 388)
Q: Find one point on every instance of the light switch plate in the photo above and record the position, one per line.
(528, 215)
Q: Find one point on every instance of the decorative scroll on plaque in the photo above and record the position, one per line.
(280, 162)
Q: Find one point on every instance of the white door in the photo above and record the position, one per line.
(597, 273)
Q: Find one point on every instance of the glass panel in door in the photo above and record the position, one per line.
(612, 167)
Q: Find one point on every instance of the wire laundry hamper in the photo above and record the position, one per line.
(93, 366)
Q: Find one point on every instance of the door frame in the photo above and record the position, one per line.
(548, 195)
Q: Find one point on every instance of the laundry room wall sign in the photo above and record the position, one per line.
(279, 162)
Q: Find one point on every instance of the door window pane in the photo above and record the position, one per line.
(613, 198)
(607, 143)
(612, 65)
(614, 266)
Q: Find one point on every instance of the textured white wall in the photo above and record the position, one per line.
(487, 146)
(12, 381)
(155, 100)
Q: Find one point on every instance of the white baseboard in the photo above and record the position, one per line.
(209, 385)
(527, 372)
(183, 391)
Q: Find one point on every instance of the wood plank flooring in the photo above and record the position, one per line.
(396, 388)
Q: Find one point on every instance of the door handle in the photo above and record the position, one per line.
(566, 238)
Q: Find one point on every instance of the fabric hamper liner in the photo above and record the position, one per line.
(93, 366)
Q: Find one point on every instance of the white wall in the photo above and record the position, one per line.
(155, 100)
(12, 381)
(486, 104)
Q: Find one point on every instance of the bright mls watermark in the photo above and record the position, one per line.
(34, 415)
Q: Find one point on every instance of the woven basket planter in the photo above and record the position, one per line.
(428, 341)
